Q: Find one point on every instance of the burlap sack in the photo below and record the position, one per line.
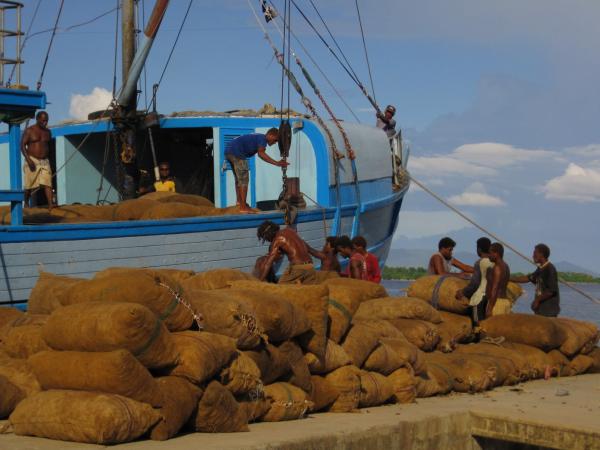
(103, 327)
(335, 357)
(272, 362)
(11, 396)
(219, 412)
(538, 361)
(215, 279)
(342, 304)
(560, 363)
(389, 308)
(288, 402)
(280, 319)
(132, 209)
(595, 355)
(404, 385)
(116, 372)
(346, 380)
(578, 334)
(360, 341)
(158, 195)
(180, 400)
(580, 364)
(254, 408)
(174, 210)
(50, 292)
(313, 300)
(155, 290)
(419, 332)
(202, 355)
(366, 289)
(455, 329)
(227, 316)
(436, 379)
(401, 350)
(537, 331)
(30, 319)
(469, 374)
(385, 360)
(23, 341)
(80, 416)
(242, 376)
(520, 368)
(300, 374)
(323, 393)
(19, 373)
(384, 328)
(592, 343)
(178, 275)
(375, 389)
(440, 291)
(189, 199)
(8, 314)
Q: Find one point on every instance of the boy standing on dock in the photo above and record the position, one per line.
(36, 170)
(239, 151)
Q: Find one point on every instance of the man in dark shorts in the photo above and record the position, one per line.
(286, 242)
(545, 278)
(240, 150)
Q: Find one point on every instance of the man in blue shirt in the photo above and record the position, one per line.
(237, 153)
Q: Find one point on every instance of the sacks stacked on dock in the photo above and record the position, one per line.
(128, 339)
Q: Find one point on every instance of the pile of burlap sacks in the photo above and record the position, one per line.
(153, 206)
(121, 357)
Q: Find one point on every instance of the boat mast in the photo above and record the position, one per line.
(128, 44)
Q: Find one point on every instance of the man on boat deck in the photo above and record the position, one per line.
(286, 242)
(475, 290)
(167, 183)
(327, 256)
(441, 262)
(387, 122)
(37, 171)
(237, 153)
(545, 278)
(357, 266)
(371, 262)
(496, 298)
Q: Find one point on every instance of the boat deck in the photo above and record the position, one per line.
(562, 413)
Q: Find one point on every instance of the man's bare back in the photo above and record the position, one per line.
(288, 242)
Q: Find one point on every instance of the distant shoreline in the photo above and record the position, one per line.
(412, 273)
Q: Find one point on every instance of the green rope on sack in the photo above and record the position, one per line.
(155, 333)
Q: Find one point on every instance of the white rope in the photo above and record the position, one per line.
(497, 238)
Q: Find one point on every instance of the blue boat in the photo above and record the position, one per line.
(339, 200)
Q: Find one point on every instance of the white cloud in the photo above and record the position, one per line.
(493, 154)
(82, 104)
(476, 195)
(590, 151)
(577, 183)
(443, 166)
(418, 224)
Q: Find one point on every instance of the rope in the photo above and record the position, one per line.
(39, 82)
(187, 12)
(104, 162)
(14, 67)
(495, 237)
(362, 33)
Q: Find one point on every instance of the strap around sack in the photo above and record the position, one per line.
(435, 296)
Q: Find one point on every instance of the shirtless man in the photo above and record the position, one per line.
(357, 266)
(286, 242)
(497, 279)
(36, 170)
(441, 262)
(327, 256)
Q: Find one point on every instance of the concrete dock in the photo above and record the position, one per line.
(562, 413)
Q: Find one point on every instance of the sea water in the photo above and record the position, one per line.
(572, 304)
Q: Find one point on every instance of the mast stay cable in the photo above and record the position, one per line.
(362, 33)
(39, 81)
(496, 237)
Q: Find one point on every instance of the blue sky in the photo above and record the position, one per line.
(500, 100)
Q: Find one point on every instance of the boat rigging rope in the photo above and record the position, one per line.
(183, 21)
(496, 237)
(41, 77)
(362, 33)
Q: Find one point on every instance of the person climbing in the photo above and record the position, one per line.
(475, 290)
(371, 262)
(357, 266)
(545, 278)
(286, 242)
(37, 171)
(496, 297)
(327, 256)
(239, 150)
(387, 122)
(441, 262)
